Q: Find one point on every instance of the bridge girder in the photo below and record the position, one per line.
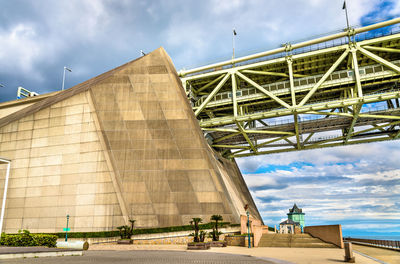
(334, 84)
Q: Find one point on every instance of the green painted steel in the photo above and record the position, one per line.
(298, 99)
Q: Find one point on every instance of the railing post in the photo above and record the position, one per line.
(348, 253)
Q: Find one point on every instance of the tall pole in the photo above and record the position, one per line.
(347, 19)
(3, 205)
(248, 228)
(233, 43)
(66, 230)
(63, 82)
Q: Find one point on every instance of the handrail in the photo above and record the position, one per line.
(348, 32)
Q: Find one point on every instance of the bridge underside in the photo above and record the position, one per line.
(333, 93)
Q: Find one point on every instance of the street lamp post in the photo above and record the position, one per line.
(66, 230)
(248, 228)
(63, 82)
(246, 207)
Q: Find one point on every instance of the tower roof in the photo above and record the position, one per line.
(295, 210)
(289, 222)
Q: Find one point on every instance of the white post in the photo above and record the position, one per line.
(3, 206)
(68, 69)
(63, 80)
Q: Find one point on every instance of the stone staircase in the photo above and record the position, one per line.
(293, 240)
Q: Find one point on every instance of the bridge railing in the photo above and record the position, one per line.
(386, 31)
(375, 242)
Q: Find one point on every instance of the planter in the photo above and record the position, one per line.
(235, 241)
(125, 241)
(218, 243)
(198, 246)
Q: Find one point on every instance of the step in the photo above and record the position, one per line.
(312, 245)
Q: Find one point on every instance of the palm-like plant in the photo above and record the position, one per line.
(195, 224)
(215, 233)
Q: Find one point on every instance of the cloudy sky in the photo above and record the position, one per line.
(358, 187)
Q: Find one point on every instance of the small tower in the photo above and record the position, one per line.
(296, 215)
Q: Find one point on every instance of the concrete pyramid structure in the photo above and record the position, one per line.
(123, 145)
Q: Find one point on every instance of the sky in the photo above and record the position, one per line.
(357, 186)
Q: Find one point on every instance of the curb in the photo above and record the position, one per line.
(41, 254)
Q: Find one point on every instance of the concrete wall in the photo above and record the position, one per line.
(58, 168)
(125, 144)
(328, 233)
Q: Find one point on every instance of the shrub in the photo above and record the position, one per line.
(26, 239)
(155, 230)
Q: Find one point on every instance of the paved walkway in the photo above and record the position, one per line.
(385, 255)
(112, 253)
(275, 255)
(146, 256)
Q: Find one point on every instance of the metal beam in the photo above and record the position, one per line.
(210, 83)
(324, 77)
(310, 147)
(234, 101)
(378, 59)
(226, 137)
(281, 74)
(272, 141)
(351, 115)
(273, 132)
(293, 46)
(356, 72)
(212, 94)
(230, 146)
(308, 138)
(353, 122)
(261, 89)
(291, 81)
(314, 107)
(381, 49)
(296, 128)
(230, 130)
(246, 137)
(396, 135)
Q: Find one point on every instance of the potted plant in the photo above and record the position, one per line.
(126, 233)
(215, 233)
(198, 236)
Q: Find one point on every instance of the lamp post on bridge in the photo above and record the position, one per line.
(63, 82)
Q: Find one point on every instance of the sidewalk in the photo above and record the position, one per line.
(277, 255)
(386, 255)
(31, 252)
(295, 255)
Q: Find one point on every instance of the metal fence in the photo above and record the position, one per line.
(383, 243)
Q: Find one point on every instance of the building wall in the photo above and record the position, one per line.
(58, 168)
(327, 233)
(123, 145)
(297, 218)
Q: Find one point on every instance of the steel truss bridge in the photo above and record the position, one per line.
(336, 90)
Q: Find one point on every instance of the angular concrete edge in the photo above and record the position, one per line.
(41, 254)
